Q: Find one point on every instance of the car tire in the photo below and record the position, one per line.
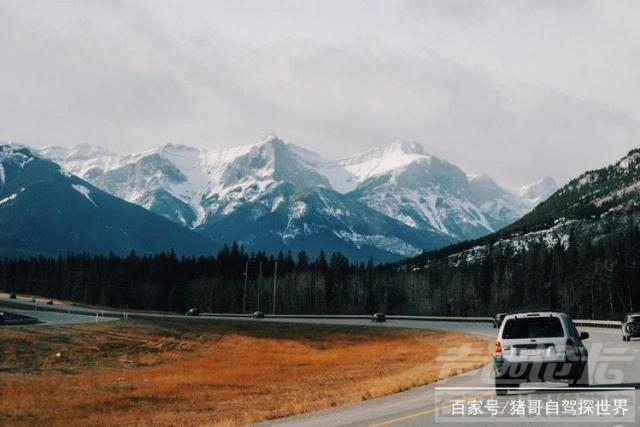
(582, 377)
(501, 387)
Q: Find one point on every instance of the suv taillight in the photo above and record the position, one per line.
(568, 347)
(498, 351)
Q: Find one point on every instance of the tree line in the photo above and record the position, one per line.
(217, 283)
(594, 275)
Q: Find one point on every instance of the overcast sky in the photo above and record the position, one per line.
(515, 89)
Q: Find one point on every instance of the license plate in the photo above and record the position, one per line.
(533, 352)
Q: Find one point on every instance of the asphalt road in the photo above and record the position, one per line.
(614, 378)
(612, 363)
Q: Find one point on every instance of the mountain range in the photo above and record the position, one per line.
(386, 203)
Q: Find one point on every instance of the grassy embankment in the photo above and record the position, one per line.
(203, 373)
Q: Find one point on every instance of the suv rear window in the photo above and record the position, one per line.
(533, 327)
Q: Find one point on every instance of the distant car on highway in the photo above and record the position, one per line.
(497, 320)
(631, 326)
(257, 315)
(539, 346)
(378, 317)
(12, 296)
(49, 302)
(193, 312)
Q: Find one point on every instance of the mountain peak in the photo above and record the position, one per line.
(408, 147)
(271, 161)
(269, 147)
(482, 178)
(271, 139)
(383, 160)
(176, 147)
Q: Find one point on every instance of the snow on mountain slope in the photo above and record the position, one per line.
(419, 190)
(427, 192)
(383, 160)
(150, 179)
(266, 175)
(83, 160)
(339, 178)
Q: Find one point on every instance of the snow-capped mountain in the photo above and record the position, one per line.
(259, 193)
(46, 210)
(421, 190)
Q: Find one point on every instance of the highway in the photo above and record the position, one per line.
(614, 378)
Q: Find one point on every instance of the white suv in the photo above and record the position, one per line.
(541, 346)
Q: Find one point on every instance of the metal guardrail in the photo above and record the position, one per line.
(296, 316)
(604, 324)
(443, 319)
(357, 317)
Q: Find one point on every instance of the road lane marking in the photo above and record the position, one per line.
(430, 411)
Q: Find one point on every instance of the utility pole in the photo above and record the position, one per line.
(244, 293)
(275, 280)
(316, 301)
(259, 284)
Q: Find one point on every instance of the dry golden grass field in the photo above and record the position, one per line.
(198, 372)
